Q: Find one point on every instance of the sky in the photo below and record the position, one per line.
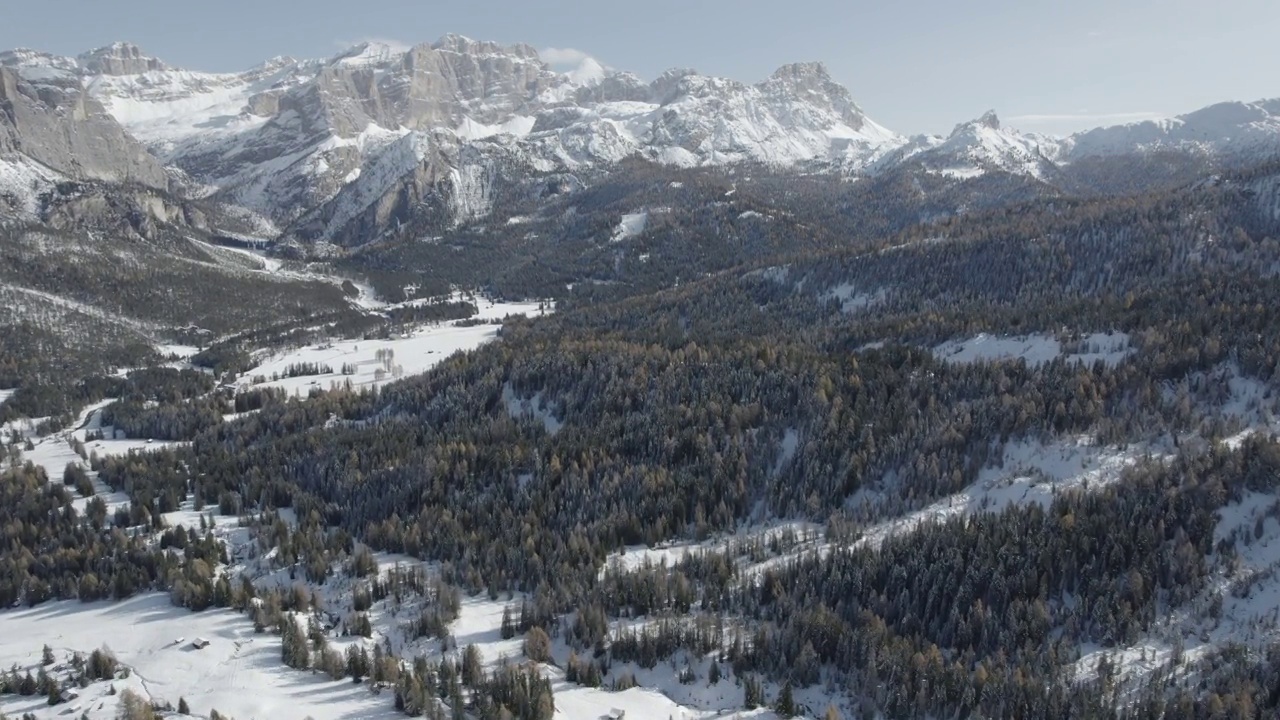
(915, 66)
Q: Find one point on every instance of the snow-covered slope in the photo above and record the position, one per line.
(47, 119)
(285, 137)
(22, 182)
(1234, 129)
(978, 146)
(314, 149)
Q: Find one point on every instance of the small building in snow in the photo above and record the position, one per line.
(200, 643)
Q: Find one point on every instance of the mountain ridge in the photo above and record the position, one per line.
(282, 141)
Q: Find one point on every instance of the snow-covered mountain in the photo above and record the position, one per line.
(976, 147)
(285, 138)
(1231, 129)
(336, 149)
(52, 130)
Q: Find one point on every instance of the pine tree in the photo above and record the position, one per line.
(472, 667)
(537, 645)
(786, 705)
(183, 708)
(133, 707)
(508, 625)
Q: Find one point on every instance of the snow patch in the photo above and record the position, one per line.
(851, 300)
(22, 182)
(533, 407)
(631, 225)
(1030, 472)
(1111, 348)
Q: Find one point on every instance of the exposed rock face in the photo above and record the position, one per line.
(810, 85)
(119, 59)
(345, 149)
(320, 126)
(290, 136)
(59, 126)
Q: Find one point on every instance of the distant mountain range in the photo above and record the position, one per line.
(338, 150)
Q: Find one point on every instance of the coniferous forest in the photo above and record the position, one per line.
(796, 376)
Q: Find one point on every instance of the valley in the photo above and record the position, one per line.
(439, 381)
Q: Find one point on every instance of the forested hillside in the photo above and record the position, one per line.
(832, 376)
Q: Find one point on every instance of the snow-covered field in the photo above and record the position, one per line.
(1111, 348)
(54, 451)
(413, 353)
(239, 674)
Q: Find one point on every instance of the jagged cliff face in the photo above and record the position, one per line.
(56, 124)
(287, 138)
(119, 59)
(341, 150)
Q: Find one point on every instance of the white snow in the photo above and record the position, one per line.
(479, 623)
(53, 452)
(581, 703)
(181, 351)
(786, 449)
(1029, 472)
(631, 225)
(851, 300)
(588, 72)
(1245, 585)
(961, 173)
(773, 273)
(1111, 348)
(239, 674)
(23, 180)
(534, 407)
(414, 353)
(370, 53)
(517, 126)
(164, 107)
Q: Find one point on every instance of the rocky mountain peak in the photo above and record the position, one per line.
(988, 121)
(70, 133)
(802, 74)
(466, 46)
(811, 83)
(121, 58)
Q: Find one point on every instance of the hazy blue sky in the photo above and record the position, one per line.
(913, 66)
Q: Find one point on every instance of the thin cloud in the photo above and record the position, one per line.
(562, 56)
